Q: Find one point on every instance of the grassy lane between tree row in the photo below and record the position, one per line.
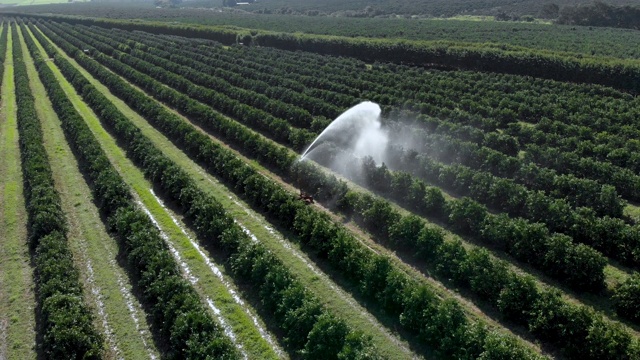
(17, 300)
(119, 316)
(208, 284)
(343, 304)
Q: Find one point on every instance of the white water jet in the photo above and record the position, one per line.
(357, 130)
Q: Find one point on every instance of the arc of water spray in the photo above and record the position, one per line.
(357, 129)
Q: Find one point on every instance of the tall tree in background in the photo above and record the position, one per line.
(168, 3)
(550, 11)
(601, 14)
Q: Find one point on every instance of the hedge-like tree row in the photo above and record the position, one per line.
(553, 254)
(503, 92)
(462, 147)
(626, 182)
(65, 322)
(280, 59)
(602, 208)
(307, 326)
(278, 128)
(199, 75)
(605, 201)
(275, 87)
(3, 45)
(623, 244)
(294, 115)
(441, 324)
(604, 227)
(592, 263)
(615, 149)
(621, 158)
(178, 315)
(582, 224)
(590, 278)
(627, 298)
(533, 63)
(602, 203)
(623, 240)
(481, 94)
(310, 178)
(623, 75)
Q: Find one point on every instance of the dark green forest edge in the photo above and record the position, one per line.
(617, 73)
(620, 14)
(610, 13)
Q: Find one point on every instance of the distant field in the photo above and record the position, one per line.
(32, 2)
(619, 43)
(437, 8)
(425, 7)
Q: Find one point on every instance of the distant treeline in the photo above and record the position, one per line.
(601, 14)
(620, 74)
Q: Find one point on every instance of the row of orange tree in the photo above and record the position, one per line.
(264, 150)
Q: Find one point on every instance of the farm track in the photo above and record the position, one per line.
(94, 251)
(17, 299)
(315, 279)
(208, 285)
(614, 273)
(377, 248)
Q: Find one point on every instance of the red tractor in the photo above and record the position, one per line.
(308, 199)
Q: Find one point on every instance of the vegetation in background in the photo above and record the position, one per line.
(601, 14)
